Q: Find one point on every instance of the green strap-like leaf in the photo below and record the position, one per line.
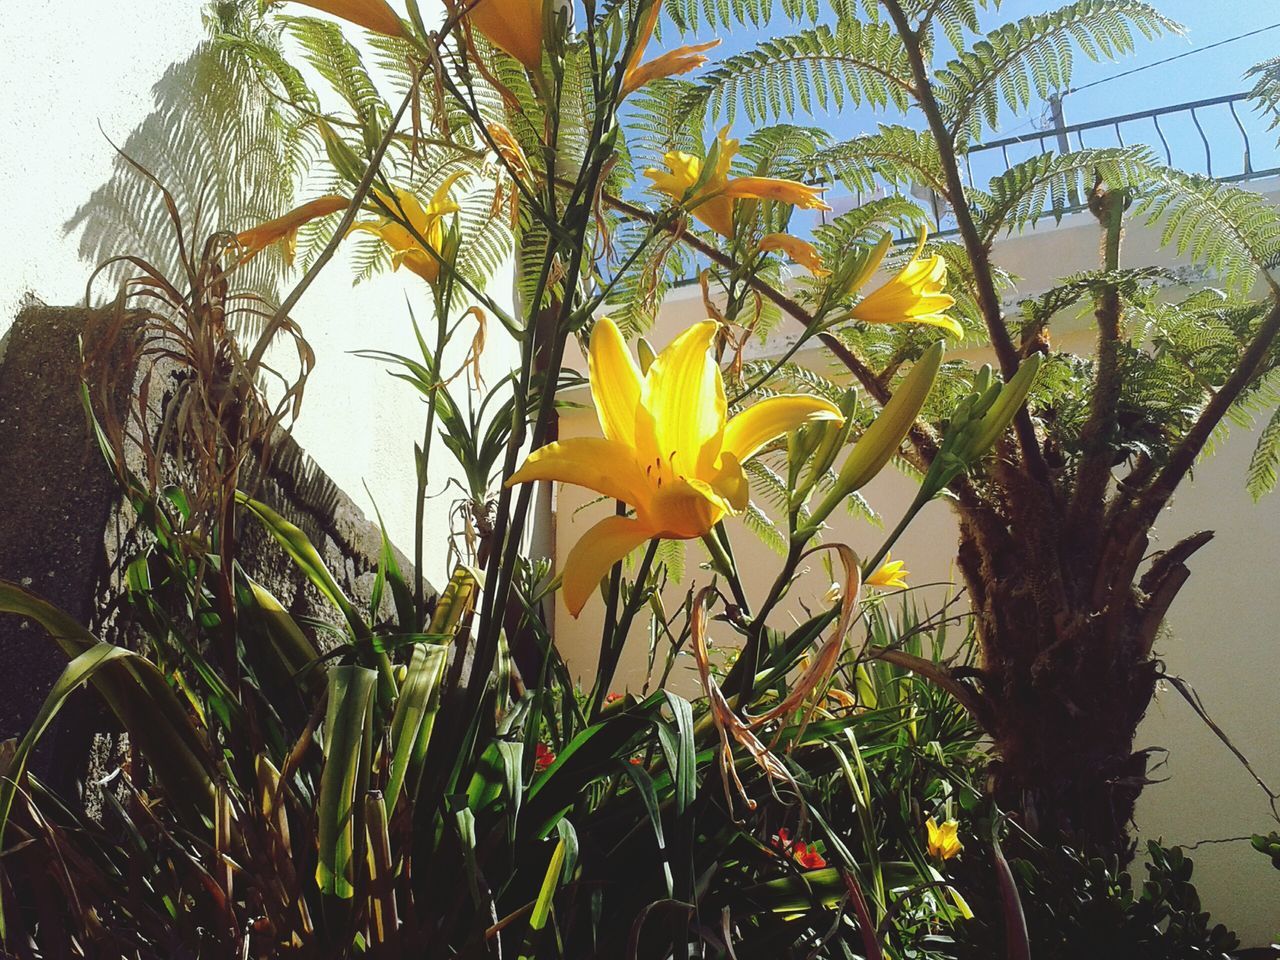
(414, 719)
(347, 736)
(142, 701)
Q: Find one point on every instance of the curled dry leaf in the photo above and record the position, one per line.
(730, 726)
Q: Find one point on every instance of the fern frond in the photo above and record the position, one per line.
(661, 122)
(816, 69)
(671, 554)
(692, 15)
(1071, 290)
(1266, 89)
(1264, 465)
(865, 225)
(340, 64)
(1034, 56)
(758, 522)
(780, 150)
(894, 154)
(227, 154)
(1020, 196)
(1234, 231)
(953, 16)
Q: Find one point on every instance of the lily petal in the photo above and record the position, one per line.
(605, 466)
(685, 394)
(889, 574)
(913, 295)
(771, 188)
(731, 483)
(801, 251)
(375, 15)
(441, 201)
(595, 554)
(672, 63)
(512, 25)
(407, 205)
(285, 228)
(616, 384)
(756, 426)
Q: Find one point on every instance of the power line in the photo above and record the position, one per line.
(1161, 63)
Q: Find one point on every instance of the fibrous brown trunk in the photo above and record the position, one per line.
(1067, 667)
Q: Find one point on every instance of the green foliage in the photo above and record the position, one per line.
(1079, 906)
(1266, 88)
(817, 69)
(1234, 231)
(1033, 56)
(1051, 184)
(427, 779)
(310, 777)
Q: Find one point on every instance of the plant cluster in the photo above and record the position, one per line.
(428, 779)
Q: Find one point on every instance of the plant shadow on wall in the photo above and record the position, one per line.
(857, 781)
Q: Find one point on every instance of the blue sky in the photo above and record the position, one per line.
(1208, 74)
(1211, 73)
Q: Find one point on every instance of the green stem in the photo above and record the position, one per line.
(610, 655)
(922, 497)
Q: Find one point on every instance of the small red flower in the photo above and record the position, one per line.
(612, 697)
(635, 761)
(809, 857)
(543, 757)
(804, 854)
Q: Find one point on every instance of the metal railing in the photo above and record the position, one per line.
(1205, 136)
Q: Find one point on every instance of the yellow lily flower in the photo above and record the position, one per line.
(427, 221)
(913, 296)
(285, 228)
(801, 251)
(713, 201)
(668, 449)
(509, 149)
(670, 64)
(375, 15)
(890, 574)
(511, 25)
(944, 841)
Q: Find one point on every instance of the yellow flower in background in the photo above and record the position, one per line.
(375, 15)
(511, 25)
(509, 149)
(801, 251)
(943, 841)
(285, 228)
(712, 203)
(673, 63)
(668, 449)
(427, 221)
(889, 574)
(670, 64)
(913, 296)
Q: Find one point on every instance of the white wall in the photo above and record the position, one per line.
(68, 67)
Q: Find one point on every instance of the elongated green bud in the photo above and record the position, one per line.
(859, 269)
(978, 423)
(882, 439)
(833, 436)
(1006, 406)
(350, 166)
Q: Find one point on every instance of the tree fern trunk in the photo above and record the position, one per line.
(1066, 685)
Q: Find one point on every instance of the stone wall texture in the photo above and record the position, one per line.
(64, 525)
